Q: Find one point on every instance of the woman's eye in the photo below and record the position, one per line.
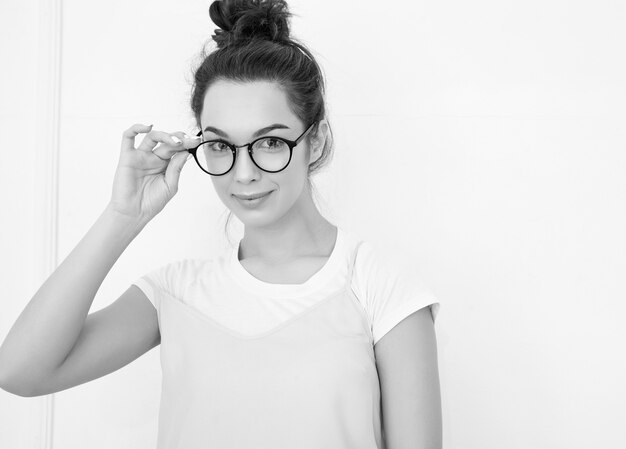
(219, 146)
(271, 144)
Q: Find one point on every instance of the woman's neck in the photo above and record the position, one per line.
(303, 232)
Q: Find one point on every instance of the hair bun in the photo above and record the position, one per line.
(243, 20)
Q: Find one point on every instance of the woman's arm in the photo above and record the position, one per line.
(406, 359)
(51, 322)
(48, 328)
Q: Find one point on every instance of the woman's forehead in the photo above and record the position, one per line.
(245, 99)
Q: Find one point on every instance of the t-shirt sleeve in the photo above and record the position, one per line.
(165, 279)
(391, 291)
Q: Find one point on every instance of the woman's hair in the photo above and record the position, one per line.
(253, 43)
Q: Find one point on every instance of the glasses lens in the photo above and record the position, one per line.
(215, 157)
(271, 153)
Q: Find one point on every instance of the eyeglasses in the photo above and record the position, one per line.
(269, 153)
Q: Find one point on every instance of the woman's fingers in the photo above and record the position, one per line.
(153, 138)
(128, 136)
(166, 151)
(172, 172)
(188, 141)
(162, 144)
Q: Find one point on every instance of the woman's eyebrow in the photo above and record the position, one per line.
(256, 134)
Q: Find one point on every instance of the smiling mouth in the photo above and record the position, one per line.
(252, 197)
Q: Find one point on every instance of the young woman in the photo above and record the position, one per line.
(301, 336)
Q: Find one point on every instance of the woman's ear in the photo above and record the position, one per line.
(317, 141)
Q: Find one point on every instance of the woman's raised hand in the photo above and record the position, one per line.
(147, 176)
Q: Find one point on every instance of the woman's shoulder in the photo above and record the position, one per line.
(388, 287)
(363, 249)
(378, 267)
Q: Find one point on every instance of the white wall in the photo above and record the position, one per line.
(505, 190)
(28, 117)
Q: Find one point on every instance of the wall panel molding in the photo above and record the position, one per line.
(47, 118)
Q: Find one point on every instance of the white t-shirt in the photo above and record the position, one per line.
(222, 289)
(247, 363)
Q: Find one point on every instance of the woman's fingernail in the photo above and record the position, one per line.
(176, 139)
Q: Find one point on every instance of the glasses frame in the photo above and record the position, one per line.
(290, 143)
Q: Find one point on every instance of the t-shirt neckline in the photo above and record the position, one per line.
(320, 279)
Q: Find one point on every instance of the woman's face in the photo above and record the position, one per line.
(238, 111)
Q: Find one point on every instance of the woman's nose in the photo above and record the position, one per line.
(244, 168)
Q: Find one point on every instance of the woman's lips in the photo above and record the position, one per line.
(251, 197)
(253, 203)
